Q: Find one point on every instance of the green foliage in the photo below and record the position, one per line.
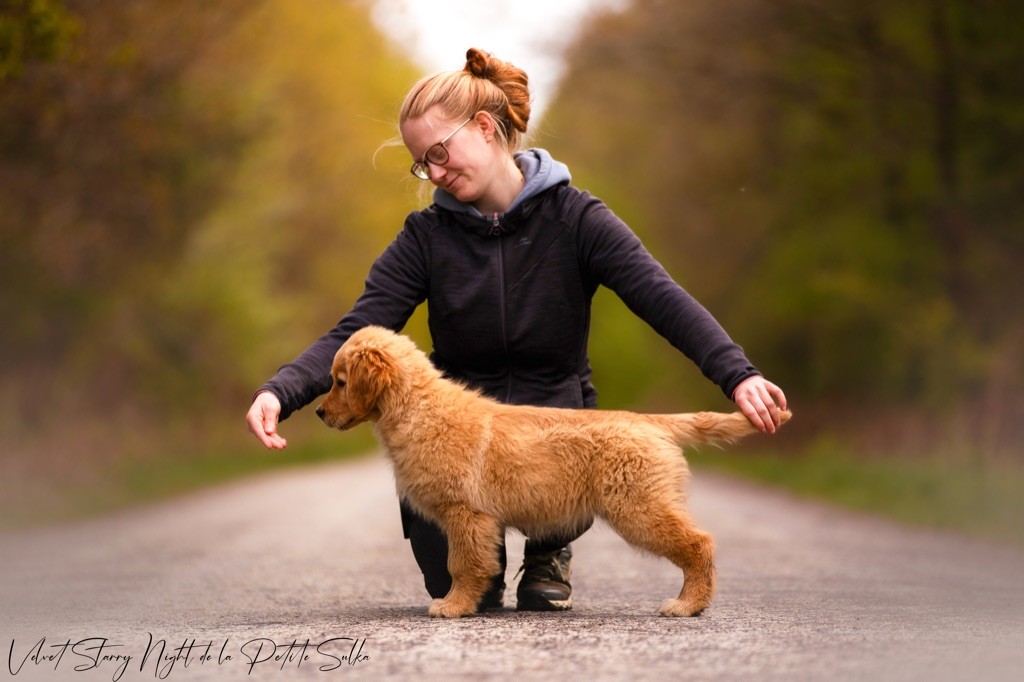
(189, 197)
(836, 181)
(32, 31)
(306, 211)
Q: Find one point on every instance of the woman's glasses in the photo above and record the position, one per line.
(436, 154)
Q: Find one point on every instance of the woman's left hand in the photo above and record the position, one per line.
(761, 401)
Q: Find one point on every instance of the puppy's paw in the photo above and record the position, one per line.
(445, 608)
(680, 608)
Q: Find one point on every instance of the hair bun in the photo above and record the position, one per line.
(480, 63)
(510, 79)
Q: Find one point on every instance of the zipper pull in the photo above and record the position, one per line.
(495, 225)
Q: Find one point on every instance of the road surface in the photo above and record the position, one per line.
(204, 587)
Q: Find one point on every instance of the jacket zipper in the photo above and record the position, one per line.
(496, 232)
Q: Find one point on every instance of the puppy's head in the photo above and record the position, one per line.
(363, 373)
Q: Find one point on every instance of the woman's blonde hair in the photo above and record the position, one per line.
(485, 84)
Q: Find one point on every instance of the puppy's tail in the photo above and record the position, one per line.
(710, 427)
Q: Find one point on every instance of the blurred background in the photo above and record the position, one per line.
(191, 191)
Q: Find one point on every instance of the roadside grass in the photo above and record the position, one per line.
(123, 484)
(971, 494)
(976, 495)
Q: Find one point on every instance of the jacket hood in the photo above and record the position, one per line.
(540, 172)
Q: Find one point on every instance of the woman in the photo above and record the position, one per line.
(508, 259)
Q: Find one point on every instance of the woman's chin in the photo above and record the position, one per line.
(461, 191)
(454, 186)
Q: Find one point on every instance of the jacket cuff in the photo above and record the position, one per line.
(267, 388)
(729, 388)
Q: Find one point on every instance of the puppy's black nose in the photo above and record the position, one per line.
(320, 411)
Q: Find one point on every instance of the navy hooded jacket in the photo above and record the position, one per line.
(509, 295)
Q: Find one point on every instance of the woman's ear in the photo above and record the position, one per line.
(371, 372)
(486, 124)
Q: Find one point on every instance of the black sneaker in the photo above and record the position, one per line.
(545, 584)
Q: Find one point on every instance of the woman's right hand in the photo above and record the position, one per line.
(262, 420)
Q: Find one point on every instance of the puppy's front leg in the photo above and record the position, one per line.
(473, 540)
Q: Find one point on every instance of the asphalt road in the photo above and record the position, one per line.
(805, 592)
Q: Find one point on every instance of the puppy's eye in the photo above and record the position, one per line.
(340, 383)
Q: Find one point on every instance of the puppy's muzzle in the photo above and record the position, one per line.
(332, 421)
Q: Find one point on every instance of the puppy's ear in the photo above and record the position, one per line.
(371, 371)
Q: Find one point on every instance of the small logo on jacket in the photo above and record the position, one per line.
(523, 241)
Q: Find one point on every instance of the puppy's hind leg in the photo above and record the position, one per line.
(695, 554)
(667, 530)
(473, 550)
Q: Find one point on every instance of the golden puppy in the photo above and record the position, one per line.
(475, 466)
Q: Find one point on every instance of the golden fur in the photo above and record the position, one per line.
(475, 466)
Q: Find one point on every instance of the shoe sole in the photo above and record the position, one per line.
(542, 604)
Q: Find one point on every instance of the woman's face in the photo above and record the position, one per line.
(469, 169)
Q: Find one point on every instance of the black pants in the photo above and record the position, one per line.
(430, 547)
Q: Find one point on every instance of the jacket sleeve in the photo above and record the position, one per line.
(614, 257)
(395, 286)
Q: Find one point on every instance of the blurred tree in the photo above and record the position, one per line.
(306, 211)
(188, 196)
(31, 31)
(840, 181)
(106, 166)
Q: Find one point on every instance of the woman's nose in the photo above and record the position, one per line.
(436, 171)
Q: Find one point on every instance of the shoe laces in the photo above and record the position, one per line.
(547, 566)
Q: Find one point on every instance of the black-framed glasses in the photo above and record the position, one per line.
(437, 154)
